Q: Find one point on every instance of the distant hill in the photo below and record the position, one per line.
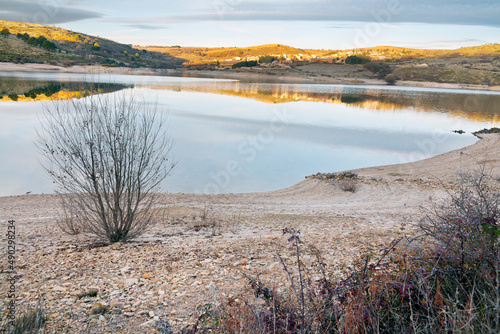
(202, 55)
(35, 43)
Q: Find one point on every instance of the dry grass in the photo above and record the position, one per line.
(448, 281)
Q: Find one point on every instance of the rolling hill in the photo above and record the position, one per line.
(24, 43)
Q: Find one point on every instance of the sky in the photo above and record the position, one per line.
(318, 24)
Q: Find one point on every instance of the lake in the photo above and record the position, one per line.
(233, 136)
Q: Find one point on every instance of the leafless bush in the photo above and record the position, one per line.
(466, 226)
(349, 185)
(215, 224)
(68, 224)
(107, 155)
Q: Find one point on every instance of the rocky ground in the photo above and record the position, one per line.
(206, 245)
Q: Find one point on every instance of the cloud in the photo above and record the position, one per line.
(145, 26)
(478, 12)
(444, 43)
(42, 12)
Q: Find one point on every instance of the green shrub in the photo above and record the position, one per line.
(267, 59)
(356, 60)
(390, 79)
(249, 63)
(379, 68)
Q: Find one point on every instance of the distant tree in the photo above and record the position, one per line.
(379, 68)
(96, 46)
(136, 55)
(267, 59)
(250, 63)
(390, 79)
(5, 32)
(25, 37)
(356, 60)
(41, 40)
(33, 41)
(50, 46)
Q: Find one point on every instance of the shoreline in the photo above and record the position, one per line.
(242, 75)
(437, 168)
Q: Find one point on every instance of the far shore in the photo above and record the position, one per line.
(254, 75)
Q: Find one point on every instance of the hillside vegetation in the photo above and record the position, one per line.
(202, 55)
(467, 65)
(205, 55)
(19, 44)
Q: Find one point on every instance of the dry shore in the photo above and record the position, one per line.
(197, 255)
(318, 74)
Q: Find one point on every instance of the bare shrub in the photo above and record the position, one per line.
(466, 227)
(107, 155)
(348, 185)
(213, 223)
(68, 224)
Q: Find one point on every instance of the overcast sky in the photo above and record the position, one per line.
(322, 24)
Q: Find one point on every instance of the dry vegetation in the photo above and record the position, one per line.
(201, 55)
(446, 280)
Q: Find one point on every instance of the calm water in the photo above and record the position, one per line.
(234, 136)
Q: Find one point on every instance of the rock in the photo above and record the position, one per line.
(148, 323)
(307, 260)
(151, 314)
(147, 275)
(102, 318)
(59, 289)
(131, 281)
(125, 269)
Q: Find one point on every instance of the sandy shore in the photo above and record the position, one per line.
(337, 75)
(197, 255)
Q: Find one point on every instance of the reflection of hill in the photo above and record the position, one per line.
(12, 89)
(479, 107)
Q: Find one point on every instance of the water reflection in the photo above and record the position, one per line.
(484, 107)
(272, 134)
(21, 90)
